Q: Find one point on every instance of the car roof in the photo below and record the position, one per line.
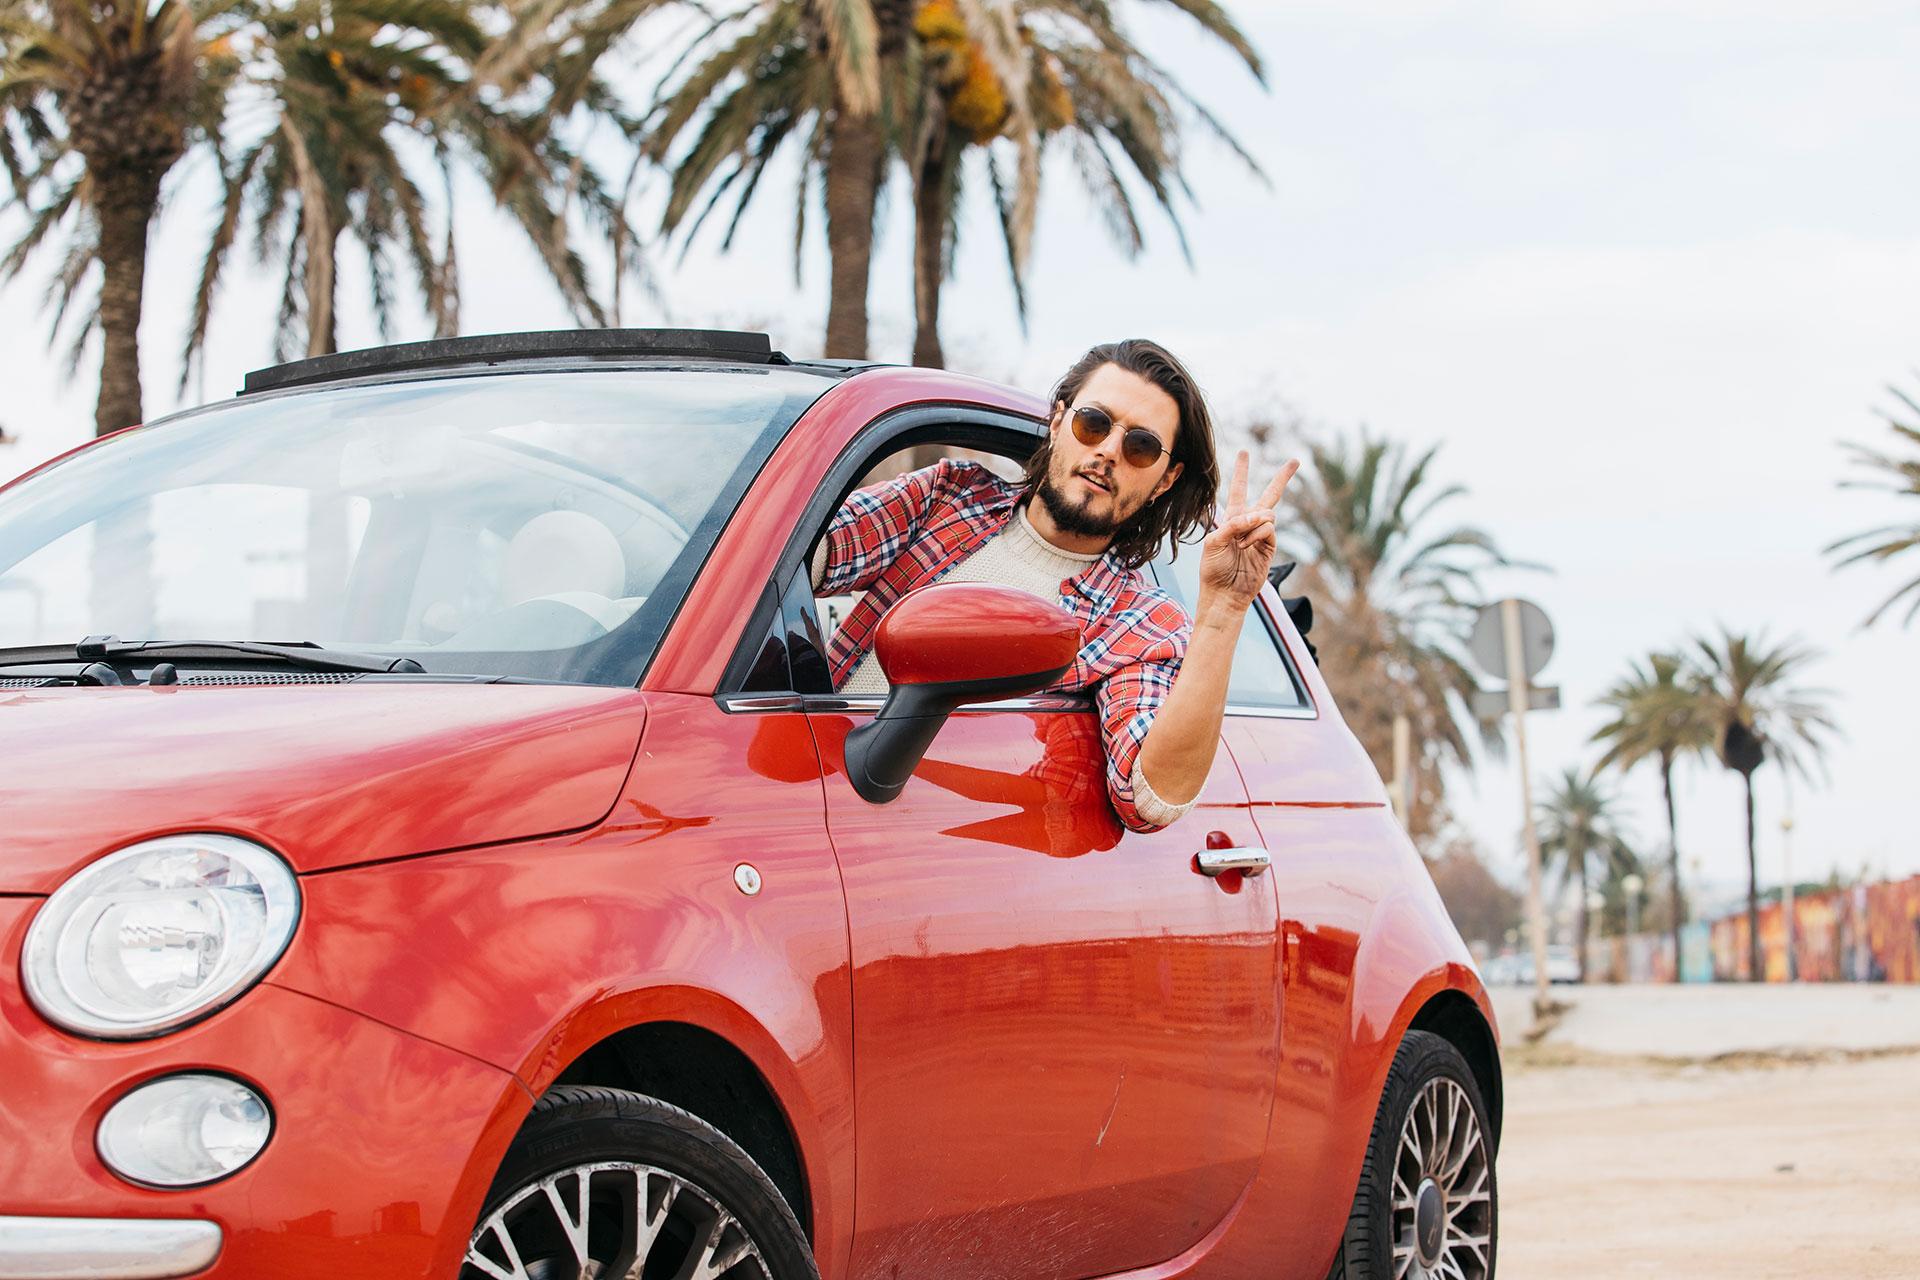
(548, 348)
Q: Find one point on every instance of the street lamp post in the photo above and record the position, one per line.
(1786, 870)
(1596, 931)
(1632, 884)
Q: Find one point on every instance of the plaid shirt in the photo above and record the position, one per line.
(907, 532)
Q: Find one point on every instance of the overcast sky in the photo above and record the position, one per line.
(1637, 267)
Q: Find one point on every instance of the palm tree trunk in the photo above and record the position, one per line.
(121, 594)
(1673, 855)
(125, 211)
(854, 156)
(931, 197)
(1755, 971)
(1580, 889)
(323, 251)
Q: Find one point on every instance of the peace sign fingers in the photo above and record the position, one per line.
(1279, 484)
(1237, 487)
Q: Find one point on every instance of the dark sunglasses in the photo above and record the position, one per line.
(1139, 446)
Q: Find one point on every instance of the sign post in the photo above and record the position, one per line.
(1513, 638)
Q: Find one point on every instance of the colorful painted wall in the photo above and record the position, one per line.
(1869, 933)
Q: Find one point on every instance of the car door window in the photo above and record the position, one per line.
(1262, 675)
(833, 610)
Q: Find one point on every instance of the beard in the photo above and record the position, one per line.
(1078, 517)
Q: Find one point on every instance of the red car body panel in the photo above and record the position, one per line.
(375, 1184)
(524, 956)
(326, 774)
(1191, 1065)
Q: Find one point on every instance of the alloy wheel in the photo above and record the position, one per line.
(1442, 1189)
(613, 1220)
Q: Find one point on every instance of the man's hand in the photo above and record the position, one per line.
(1178, 751)
(1235, 557)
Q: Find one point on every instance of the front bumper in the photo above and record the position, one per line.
(113, 1248)
(382, 1150)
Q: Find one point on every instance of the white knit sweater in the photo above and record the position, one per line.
(1018, 556)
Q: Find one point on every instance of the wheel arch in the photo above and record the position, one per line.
(1413, 972)
(701, 1071)
(702, 1052)
(1454, 1017)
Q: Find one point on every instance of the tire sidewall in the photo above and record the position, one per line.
(1367, 1248)
(588, 1125)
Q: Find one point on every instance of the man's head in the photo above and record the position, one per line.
(1097, 484)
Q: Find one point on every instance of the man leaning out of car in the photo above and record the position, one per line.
(1128, 462)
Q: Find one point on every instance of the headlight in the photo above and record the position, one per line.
(159, 934)
(184, 1130)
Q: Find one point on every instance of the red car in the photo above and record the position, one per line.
(428, 847)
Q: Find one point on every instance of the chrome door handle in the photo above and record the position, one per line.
(1211, 862)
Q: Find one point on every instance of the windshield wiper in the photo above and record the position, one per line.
(302, 653)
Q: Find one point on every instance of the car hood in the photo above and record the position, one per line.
(327, 774)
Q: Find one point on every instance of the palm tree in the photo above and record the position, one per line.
(359, 90)
(829, 73)
(1747, 699)
(1902, 477)
(1012, 79)
(1657, 716)
(1579, 820)
(99, 99)
(1394, 600)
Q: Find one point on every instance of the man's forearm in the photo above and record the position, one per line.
(1178, 752)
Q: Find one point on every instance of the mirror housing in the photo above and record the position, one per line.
(944, 646)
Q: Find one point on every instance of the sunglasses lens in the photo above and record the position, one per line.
(1140, 447)
(1090, 424)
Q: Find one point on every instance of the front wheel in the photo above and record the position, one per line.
(604, 1183)
(1427, 1206)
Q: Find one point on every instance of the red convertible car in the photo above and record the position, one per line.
(431, 845)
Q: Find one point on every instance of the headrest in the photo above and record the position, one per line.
(559, 551)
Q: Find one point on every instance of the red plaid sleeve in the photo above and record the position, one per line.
(874, 525)
(1129, 697)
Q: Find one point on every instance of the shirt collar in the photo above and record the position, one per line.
(1101, 581)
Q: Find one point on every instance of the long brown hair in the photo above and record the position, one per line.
(1187, 505)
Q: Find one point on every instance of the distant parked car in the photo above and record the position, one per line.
(432, 846)
(1515, 968)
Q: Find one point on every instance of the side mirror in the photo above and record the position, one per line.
(942, 647)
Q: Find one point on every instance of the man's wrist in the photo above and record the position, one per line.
(1217, 612)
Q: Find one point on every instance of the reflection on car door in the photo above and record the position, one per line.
(1065, 1037)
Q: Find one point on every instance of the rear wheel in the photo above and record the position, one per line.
(603, 1184)
(1427, 1206)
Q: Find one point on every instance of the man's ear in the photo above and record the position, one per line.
(1167, 480)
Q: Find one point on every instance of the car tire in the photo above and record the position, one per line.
(608, 1178)
(1425, 1209)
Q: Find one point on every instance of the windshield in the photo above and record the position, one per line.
(543, 525)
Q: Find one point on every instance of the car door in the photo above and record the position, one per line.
(1065, 1036)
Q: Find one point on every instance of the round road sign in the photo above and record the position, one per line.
(1489, 645)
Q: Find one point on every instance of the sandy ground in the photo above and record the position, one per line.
(1702, 1021)
(1753, 1164)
